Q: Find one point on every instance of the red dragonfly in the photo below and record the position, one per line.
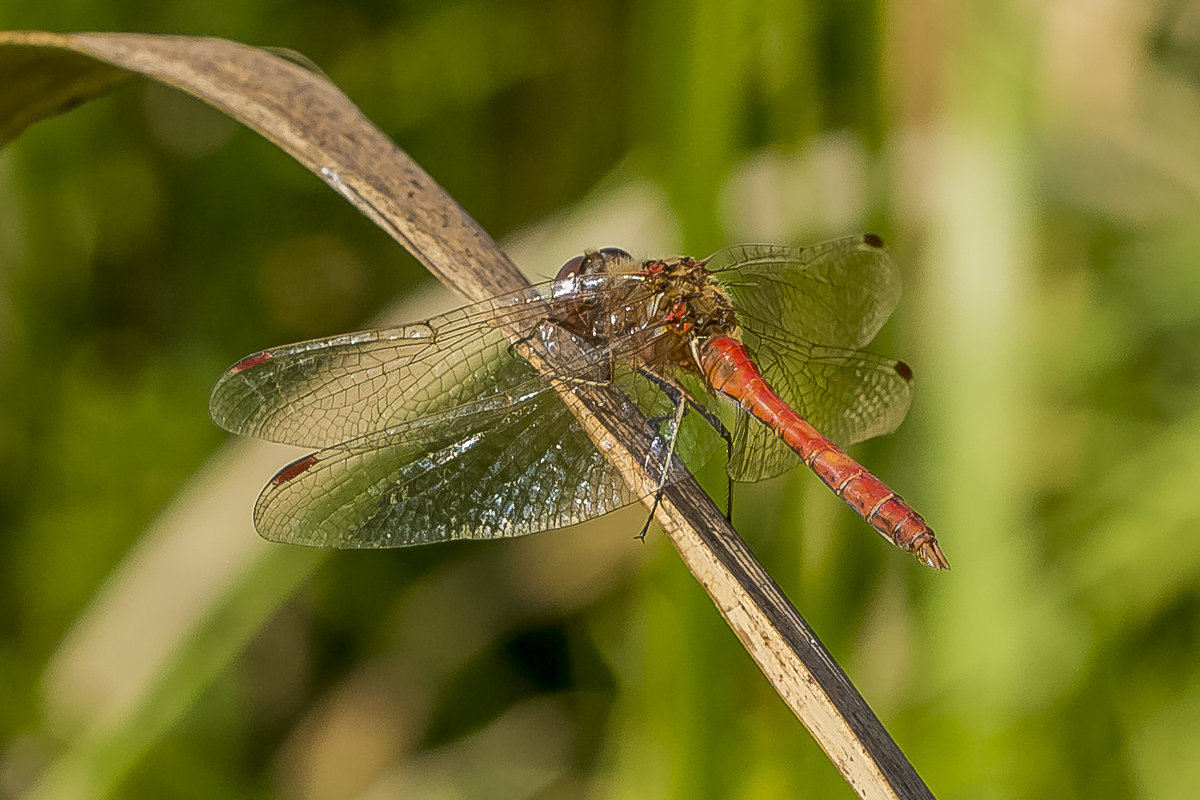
(441, 430)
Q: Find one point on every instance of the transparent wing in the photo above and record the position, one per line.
(838, 293)
(324, 392)
(495, 472)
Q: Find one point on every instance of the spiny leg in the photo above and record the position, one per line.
(676, 418)
(682, 399)
(676, 392)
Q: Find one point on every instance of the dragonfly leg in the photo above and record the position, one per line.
(676, 395)
(684, 400)
(657, 497)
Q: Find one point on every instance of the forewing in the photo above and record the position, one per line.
(327, 391)
(837, 293)
(484, 473)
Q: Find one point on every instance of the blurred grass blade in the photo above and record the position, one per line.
(290, 105)
(95, 760)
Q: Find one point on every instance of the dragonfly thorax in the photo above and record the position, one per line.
(650, 313)
(692, 308)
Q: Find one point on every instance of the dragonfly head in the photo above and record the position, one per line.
(593, 262)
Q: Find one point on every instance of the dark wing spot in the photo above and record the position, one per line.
(872, 240)
(904, 370)
(250, 361)
(293, 469)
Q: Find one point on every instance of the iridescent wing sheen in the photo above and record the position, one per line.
(494, 471)
(484, 470)
(838, 293)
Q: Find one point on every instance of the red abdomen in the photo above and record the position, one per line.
(729, 369)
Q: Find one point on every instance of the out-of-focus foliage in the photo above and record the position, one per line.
(1036, 170)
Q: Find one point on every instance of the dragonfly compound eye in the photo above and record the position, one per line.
(570, 269)
(615, 254)
(593, 262)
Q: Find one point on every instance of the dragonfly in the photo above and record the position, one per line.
(444, 429)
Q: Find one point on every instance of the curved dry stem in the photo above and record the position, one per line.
(307, 116)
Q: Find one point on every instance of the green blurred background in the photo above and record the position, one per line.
(1036, 169)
